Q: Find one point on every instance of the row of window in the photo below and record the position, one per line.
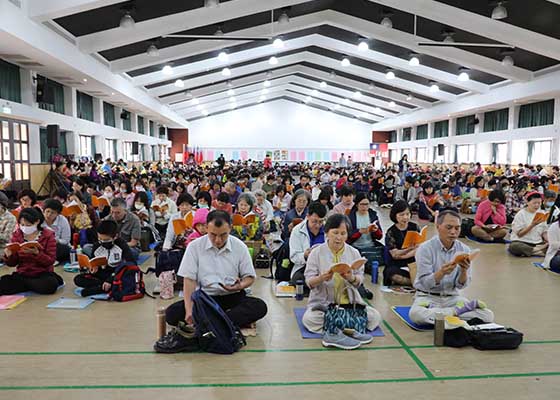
(531, 152)
(530, 115)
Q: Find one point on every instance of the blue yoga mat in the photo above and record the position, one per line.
(520, 257)
(71, 303)
(305, 334)
(538, 265)
(142, 258)
(100, 296)
(30, 293)
(402, 313)
(475, 239)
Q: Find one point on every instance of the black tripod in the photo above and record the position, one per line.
(52, 181)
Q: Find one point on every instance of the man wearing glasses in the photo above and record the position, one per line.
(305, 237)
(439, 278)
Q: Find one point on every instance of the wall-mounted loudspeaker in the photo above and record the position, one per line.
(52, 136)
(440, 150)
(134, 148)
(125, 115)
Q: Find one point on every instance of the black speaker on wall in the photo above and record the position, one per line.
(162, 130)
(53, 132)
(45, 91)
(125, 115)
(134, 148)
(98, 157)
(440, 150)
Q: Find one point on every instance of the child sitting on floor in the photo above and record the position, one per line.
(117, 252)
(199, 224)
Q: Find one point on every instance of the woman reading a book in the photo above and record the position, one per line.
(396, 271)
(33, 251)
(250, 225)
(528, 231)
(429, 201)
(176, 240)
(490, 218)
(330, 287)
(281, 202)
(366, 229)
(297, 213)
(163, 208)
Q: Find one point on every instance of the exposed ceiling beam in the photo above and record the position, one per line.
(41, 10)
(319, 41)
(312, 58)
(178, 22)
(205, 46)
(554, 1)
(480, 25)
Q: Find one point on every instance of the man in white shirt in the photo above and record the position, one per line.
(342, 161)
(219, 264)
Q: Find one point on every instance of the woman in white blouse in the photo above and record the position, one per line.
(528, 236)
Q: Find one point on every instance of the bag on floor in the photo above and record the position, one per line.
(215, 331)
(466, 227)
(500, 339)
(166, 283)
(346, 316)
(168, 261)
(128, 284)
(145, 239)
(263, 260)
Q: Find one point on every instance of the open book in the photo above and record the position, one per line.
(413, 238)
(466, 256)
(284, 289)
(433, 201)
(373, 226)
(99, 202)
(16, 247)
(15, 213)
(180, 225)
(157, 208)
(554, 188)
(540, 218)
(483, 193)
(343, 268)
(239, 220)
(71, 209)
(297, 221)
(93, 264)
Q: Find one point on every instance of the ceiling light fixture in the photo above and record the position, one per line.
(345, 62)
(386, 21)
(434, 88)
(211, 3)
(278, 43)
(323, 84)
(223, 56)
(195, 101)
(315, 93)
(85, 79)
(392, 104)
(499, 12)
(409, 97)
(346, 102)
(363, 45)
(188, 93)
(226, 72)
(262, 98)
(231, 92)
(308, 99)
(463, 75)
(371, 86)
(266, 83)
(448, 35)
(508, 61)
(377, 110)
(229, 84)
(273, 60)
(283, 19)
(167, 70)
(232, 100)
(332, 75)
(199, 107)
(357, 94)
(219, 32)
(414, 61)
(390, 74)
(127, 22)
(205, 113)
(264, 91)
(152, 50)
(179, 83)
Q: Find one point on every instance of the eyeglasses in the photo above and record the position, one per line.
(363, 204)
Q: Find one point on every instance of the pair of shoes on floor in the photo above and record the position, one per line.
(181, 339)
(365, 292)
(249, 330)
(348, 339)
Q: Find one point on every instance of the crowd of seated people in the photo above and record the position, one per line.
(320, 212)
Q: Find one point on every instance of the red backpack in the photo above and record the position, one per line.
(128, 284)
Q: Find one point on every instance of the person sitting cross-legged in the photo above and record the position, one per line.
(220, 265)
(529, 236)
(490, 218)
(439, 279)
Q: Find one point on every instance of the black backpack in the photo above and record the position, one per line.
(466, 227)
(128, 284)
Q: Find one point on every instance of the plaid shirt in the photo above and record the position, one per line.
(513, 203)
(7, 227)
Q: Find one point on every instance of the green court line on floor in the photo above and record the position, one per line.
(273, 384)
(411, 353)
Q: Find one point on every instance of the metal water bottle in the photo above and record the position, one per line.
(73, 256)
(299, 290)
(439, 329)
(161, 327)
(374, 272)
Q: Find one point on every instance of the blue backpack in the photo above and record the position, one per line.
(215, 331)
(128, 284)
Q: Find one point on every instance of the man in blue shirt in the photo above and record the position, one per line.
(439, 278)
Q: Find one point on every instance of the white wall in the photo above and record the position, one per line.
(280, 124)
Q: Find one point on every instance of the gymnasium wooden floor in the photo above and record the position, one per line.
(104, 351)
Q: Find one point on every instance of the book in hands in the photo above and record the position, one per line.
(297, 221)
(100, 202)
(161, 209)
(539, 218)
(469, 257)
(92, 264)
(373, 227)
(240, 220)
(343, 268)
(181, 225)
(554, 188)
(413, 238)
(432, 202)
(71, 209)
(16, 247)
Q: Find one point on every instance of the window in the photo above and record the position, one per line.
(465, 153)
(110, 149)
(109, 114)
(58, 96)
(10, 86)
(407, 134)
(84, 106)
(393, 136)
(496, 120)
(539, 152)
(421, 155)
(14, 154)
(422, 132)
(141, 125)
(152, 128)
(394, 155)
(126, 124)
(499, 153)
(536, 114)
(85, 146)
(441, 129)
(141, 150)
(465, 125)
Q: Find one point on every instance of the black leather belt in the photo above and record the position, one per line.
(436, 294)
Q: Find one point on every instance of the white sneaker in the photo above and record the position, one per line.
(340, 340)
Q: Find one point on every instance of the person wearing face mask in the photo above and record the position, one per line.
(117, 253)
(7, 222)
(109, 195)
(203, 200)
(54, 220)
(34, 267)
(549, 205)
(529, 238)
(163, 208)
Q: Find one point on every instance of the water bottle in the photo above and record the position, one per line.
(73, 256)
(78, 250)
(439, 329)
(374, 272)
(161, 325)
(299, 290)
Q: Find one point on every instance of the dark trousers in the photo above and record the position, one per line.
(92, 283)
(162, 230)
(45, 283)
(424, 213)
(62, 252)
(240, 308)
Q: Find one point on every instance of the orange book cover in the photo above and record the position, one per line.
(413, 238)
(92, 264)
(342, 268)
(540, 218)
(180, 225)
(238, 219)
(74, 209)
(16, 247)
